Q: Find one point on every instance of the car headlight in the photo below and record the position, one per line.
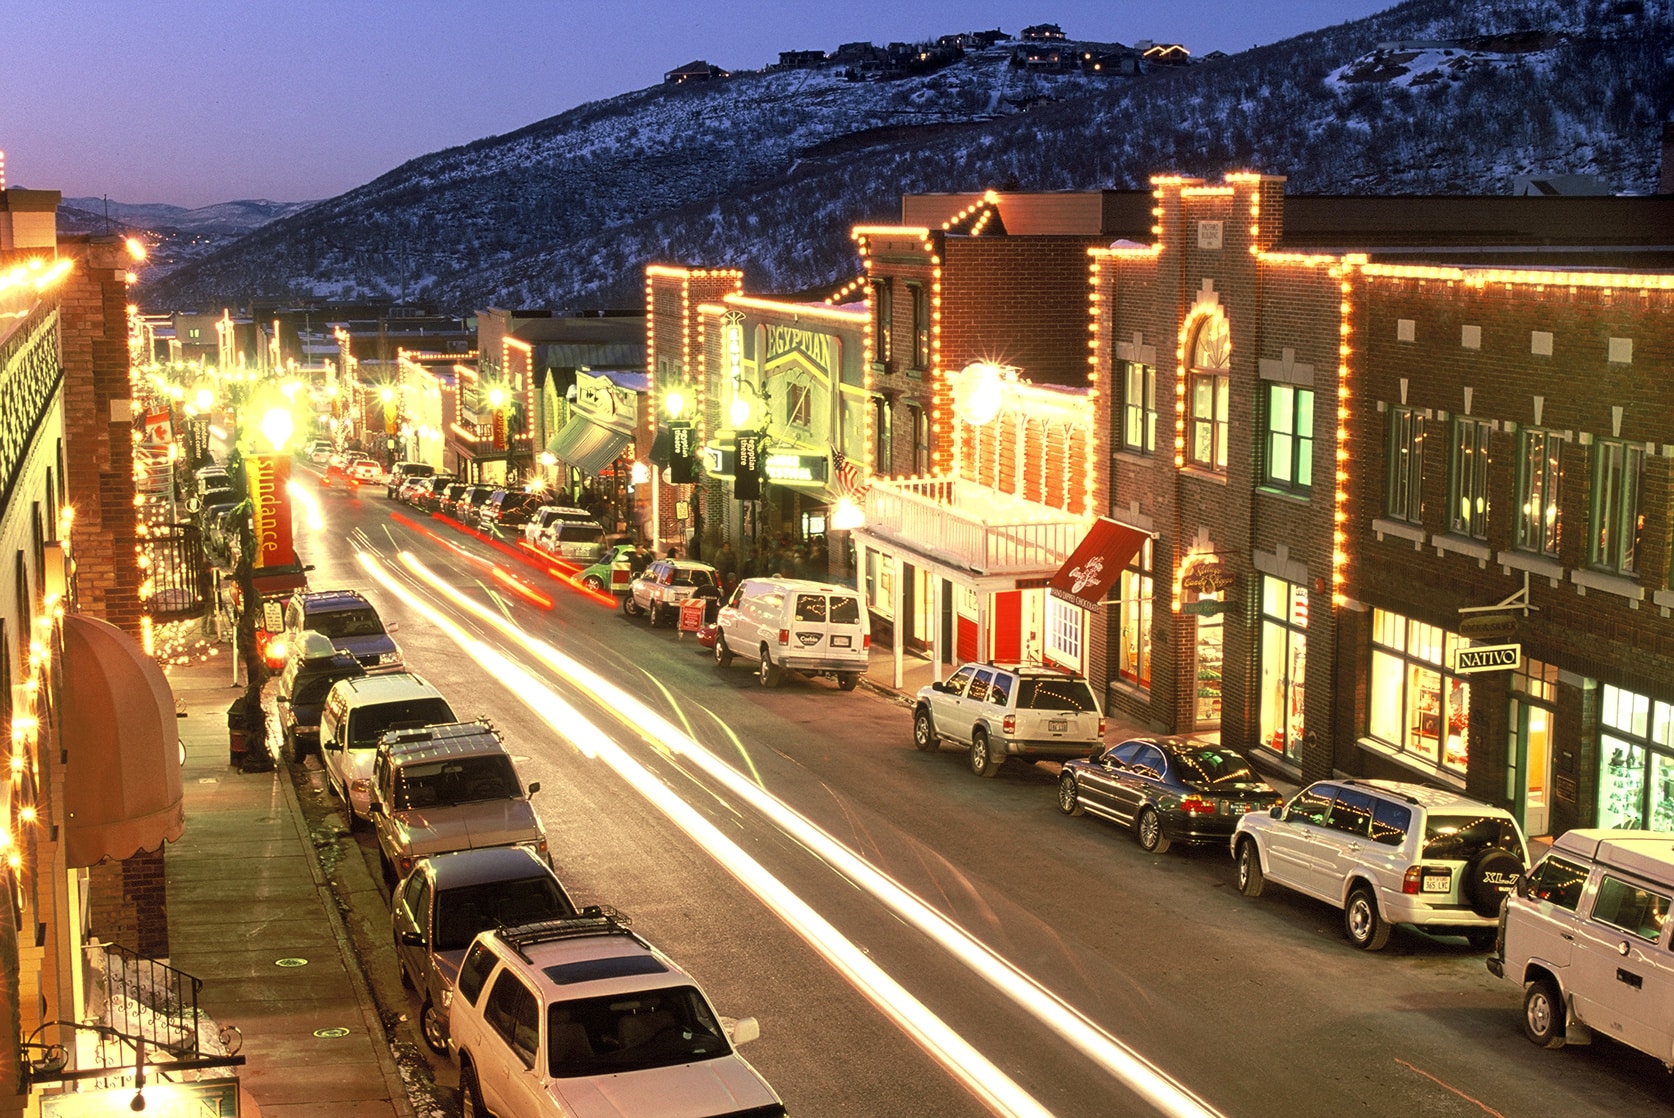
(389, 657)
(447, 995)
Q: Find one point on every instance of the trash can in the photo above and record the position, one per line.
(238, 729)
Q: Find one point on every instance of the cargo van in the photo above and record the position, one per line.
(790, 624)
(357, 713)
(1586, 934)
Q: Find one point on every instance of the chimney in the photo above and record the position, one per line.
(1666, 186)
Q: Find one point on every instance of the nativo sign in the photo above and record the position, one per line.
(1488, 658)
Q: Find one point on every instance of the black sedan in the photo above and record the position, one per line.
(1168, 790)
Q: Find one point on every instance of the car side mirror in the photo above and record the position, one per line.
(412, 939)
(744, 1030)
(938, 685)
(333, 745)
(534, 786)
(1524, 886)
(376, 807)
(1277, 811)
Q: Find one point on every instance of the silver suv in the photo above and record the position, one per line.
(1387, 853)
(556, 1017)
(1009, 710)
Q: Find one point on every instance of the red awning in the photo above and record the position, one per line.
(122, 783)
(1091, 570)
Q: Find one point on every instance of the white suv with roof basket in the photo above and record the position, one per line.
(581, 1016)
(1008, 710)
(1387, 853)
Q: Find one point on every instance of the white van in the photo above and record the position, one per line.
(357, 713)
(1586, 934)
(794, 624)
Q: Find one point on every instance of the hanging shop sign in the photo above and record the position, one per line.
(1488, 627)
(268, 476)
(1208, 577)
(746, 484)
(797, 467)
(681, 453)
(1489, 658)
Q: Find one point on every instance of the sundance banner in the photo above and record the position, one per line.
(269, 476)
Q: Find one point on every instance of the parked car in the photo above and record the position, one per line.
(318, 451)
(448, 786)
(349, 621)
(1387, 853)
(1586, 933)
(663, 585)
(567, 532)
(365, 469)
(448, 503)
(1009, 710)
(407, 471)
(611, 574)
(551, 1018)
(470, 503)
(447, 899)
(797, 625)
(427, 493)
(314, 665)
(357, 713)
(507, 511)
(1167, 790)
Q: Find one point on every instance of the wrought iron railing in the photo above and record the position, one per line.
(179, 572)
(149, 999)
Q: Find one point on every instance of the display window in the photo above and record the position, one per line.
(1417, 707)
(1284, 658)
(1636, 761)
(1210, 652)
(1134, 665)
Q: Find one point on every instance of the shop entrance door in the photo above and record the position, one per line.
(1207, 707)
(1531, 774)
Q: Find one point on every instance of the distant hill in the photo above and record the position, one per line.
(174, 235)
(768, 170)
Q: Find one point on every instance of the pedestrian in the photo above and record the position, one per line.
(726, 561)
(673, 551)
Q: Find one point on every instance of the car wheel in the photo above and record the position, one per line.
(1250, 879)
(1366, 929)
(846, 681)
(1069, 798)
(767, 671)
(435, 1034)
(594, 583)
(723, 654)
(630, 608)
(470, 1095)
(924, 731)
(1543, 1013)
(983, 761)
(1148, 828)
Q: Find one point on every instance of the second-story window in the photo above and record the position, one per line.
(1404, 489)
(1616, 520)
(921, 439)
(883, 437)
(1468, 485)
(1139, 408)
(1210, 394)
(921, 326)
(883, 315)
(1537, 492)
(1290, 438)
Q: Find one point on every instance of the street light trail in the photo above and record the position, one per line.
(1083, 1034)
(988, 1083)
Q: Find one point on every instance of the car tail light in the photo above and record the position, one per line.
(866, 640)
(1101, 727)
(406, 864)
(1010, 724)
(1410, 880)
(1197, 805)
(784, 636)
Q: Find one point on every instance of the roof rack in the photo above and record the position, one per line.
(594, 920)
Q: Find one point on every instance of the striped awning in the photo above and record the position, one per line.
(586, 445)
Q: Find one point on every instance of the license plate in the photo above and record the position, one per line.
(1057, 725)
(1437, 881)
(839, 642)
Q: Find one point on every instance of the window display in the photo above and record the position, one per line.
(1418, 708)
(1209, 653)
(1284, 654)
(1135, 661)
(1636, 761)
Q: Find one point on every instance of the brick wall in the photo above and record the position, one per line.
(1017, 301)
(127, 904)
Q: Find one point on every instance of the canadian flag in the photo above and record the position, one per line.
(158, 429)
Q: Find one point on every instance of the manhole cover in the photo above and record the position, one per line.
(290, 962)
(331, 1034)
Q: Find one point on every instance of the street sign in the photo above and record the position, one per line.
(1489, 658)
(1488, 627)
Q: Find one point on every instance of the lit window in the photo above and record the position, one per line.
(1636, 750)
(1404, 497)
(1417, 707)
(1537, 492)
(1063, 631)
(1469, 482)
(1617, 469)
(1284, 658)
(1139, 408)
(1135, 613)
(1290, 437)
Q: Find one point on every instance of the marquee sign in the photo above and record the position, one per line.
(797, 467)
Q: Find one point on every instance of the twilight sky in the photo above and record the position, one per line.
(199, 101)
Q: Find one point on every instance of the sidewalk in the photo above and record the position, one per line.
(245, 892)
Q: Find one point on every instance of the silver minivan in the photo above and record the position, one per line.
(790, 624)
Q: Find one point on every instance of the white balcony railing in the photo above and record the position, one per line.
(972, 526)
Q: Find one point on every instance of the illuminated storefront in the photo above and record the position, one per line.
(1419, 708)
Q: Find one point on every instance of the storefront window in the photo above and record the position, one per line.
(1063, 631)
(1636, 753)
(1284, 655)
(1418, 708)
(1135, 661)
(1210, 651)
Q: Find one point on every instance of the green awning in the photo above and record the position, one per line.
(586, 445)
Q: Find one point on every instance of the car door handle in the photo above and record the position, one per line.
(1567, 936)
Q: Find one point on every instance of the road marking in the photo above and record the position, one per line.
(1486, 1109)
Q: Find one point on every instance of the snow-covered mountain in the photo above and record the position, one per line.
(173, 235)
(768, 170)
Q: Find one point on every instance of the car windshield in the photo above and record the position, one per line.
(463, 912)
(1459, 838)
(628, 1032)
(457, 780)
(1209, 767)
(692, 577)
(571, 532)
(1048, 693)
(368, 722)
(347, 623)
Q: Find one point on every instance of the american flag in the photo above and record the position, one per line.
(850, 478)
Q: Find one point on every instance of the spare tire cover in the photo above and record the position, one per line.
(1489, 877)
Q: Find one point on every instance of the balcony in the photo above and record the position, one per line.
(972, 527)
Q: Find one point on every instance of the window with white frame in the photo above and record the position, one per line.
(1063, 631)
(1139, 408)
(1616, 522)
(1538, 508)
(1404, 491)
(1134, 610)
(1468, 483)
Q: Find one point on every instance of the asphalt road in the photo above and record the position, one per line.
(915, 940)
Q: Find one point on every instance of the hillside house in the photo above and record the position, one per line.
(698, 71)
(801, 59)
(1043, 33)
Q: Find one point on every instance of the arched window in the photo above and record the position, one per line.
(1209, 394)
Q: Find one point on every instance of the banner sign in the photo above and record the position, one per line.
(269, 476)
(746, 484)
(159, 427)
(681, 452)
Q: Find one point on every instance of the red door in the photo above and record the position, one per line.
(1008, 627)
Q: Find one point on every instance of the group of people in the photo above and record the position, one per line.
(781, 557)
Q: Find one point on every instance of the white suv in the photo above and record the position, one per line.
(1387, 853)
(1009, 710)
(581, 1016)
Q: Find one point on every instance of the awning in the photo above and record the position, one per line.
(1091, 570)
(586, 445)
(122, 782)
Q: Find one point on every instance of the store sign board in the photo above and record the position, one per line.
(1488, 627)
(797, 467)
(1207, 607)
(1209, 577)
(1489, 658)
(268, 477)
